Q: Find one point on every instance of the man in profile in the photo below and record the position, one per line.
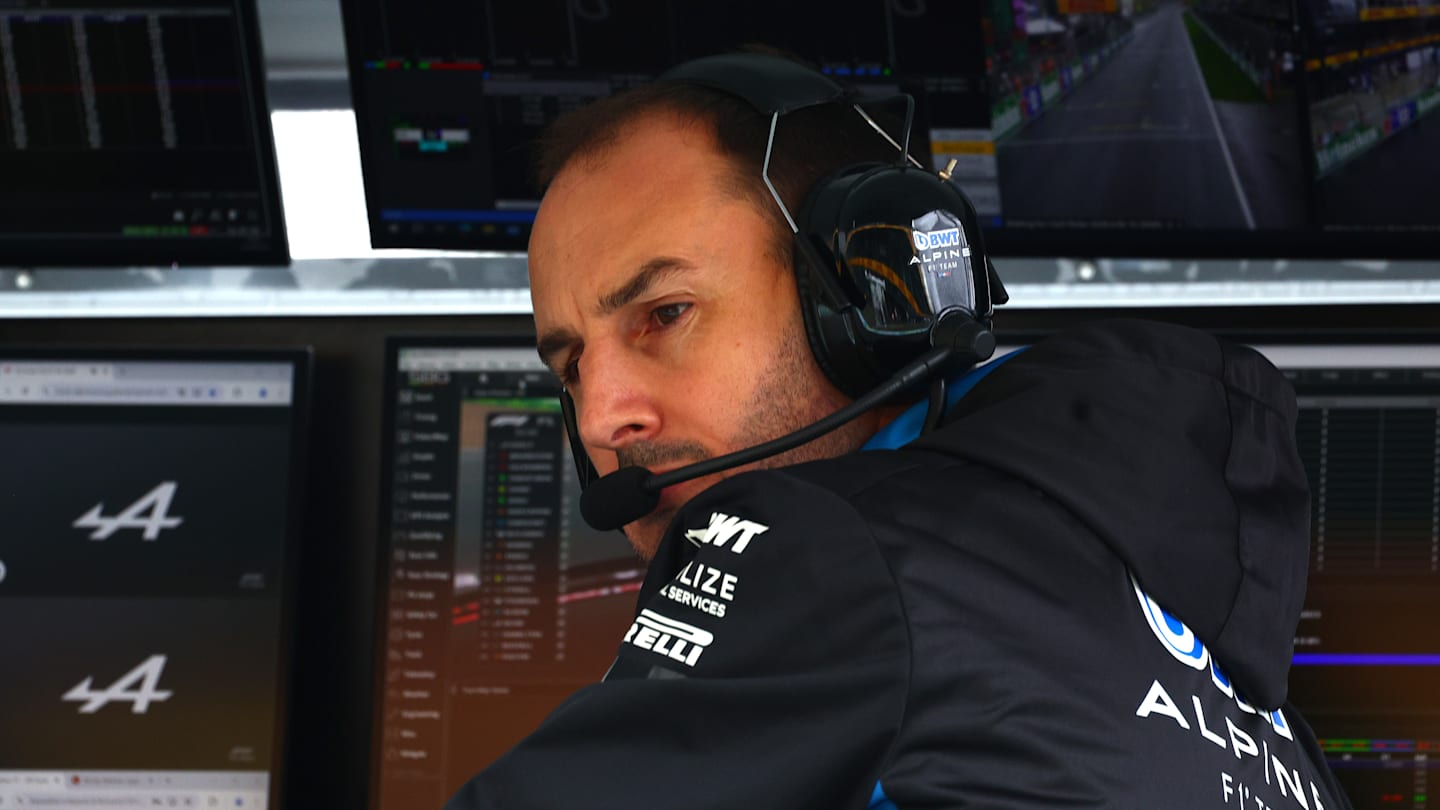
(972, 617)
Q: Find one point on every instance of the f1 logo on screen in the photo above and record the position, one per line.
(147, 675)
(150, 514)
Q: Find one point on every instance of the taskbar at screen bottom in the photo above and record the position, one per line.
(87, 790)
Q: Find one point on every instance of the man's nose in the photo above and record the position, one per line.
(615, 402)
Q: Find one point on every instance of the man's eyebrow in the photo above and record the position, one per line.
(650, 273)
(554, 342)
(646, 277)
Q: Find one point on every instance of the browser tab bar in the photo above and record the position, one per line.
(83, 790)
(33, 370)
(223, 385)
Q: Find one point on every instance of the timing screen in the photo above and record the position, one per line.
(1367, 652)
(501, 602)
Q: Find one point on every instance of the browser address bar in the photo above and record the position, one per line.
(117, 391)
(81, 802)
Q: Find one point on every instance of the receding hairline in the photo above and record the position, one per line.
(593, 153)
(737, 182)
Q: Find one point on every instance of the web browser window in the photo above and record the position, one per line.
(146, 507)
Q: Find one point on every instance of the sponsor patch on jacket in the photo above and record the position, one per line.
(723, 528)
(669, 637)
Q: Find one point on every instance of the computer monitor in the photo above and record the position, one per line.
(1367, 650)
(1209, 128)
(496, 600)
(149, 503)
(135, 133)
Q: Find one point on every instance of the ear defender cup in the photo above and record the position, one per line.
(868, 303)
(883, 251)
(823, 324)
(809, 316)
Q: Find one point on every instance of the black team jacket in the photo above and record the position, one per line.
(1081, 591)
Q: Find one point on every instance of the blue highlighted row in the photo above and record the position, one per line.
(1365, 660)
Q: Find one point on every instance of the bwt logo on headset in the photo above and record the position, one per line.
(933, 240)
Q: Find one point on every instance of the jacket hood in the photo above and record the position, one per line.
(1178, 451)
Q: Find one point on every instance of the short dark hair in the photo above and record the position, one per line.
(810, 143)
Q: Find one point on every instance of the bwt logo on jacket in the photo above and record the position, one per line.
(673, 639)
(722, 529)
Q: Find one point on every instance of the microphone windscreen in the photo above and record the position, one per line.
(617, 499)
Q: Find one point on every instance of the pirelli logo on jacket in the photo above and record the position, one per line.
(668, 637)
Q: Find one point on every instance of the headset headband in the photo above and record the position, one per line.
(772, 85)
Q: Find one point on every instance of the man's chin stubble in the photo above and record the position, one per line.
(646, 533)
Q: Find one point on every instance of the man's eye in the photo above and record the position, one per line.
(570, 374)
(669, 313)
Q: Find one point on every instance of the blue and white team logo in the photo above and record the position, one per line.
(934, 240)
(1273, 760)
(1178, 640)
(943, 257)
(1182, 644)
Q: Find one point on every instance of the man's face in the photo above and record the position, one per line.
(660, 301)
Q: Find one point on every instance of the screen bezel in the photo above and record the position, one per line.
(301, 361)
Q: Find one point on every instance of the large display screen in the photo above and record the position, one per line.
(135, 133)
(148, 506)
(1201, 128)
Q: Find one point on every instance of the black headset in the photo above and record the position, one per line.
(889, 257)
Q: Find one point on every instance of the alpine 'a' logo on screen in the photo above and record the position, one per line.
(150, 514)
(124, 690)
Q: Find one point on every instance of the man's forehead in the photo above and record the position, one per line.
(629, 205)
(650, 138)
(657, 157)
